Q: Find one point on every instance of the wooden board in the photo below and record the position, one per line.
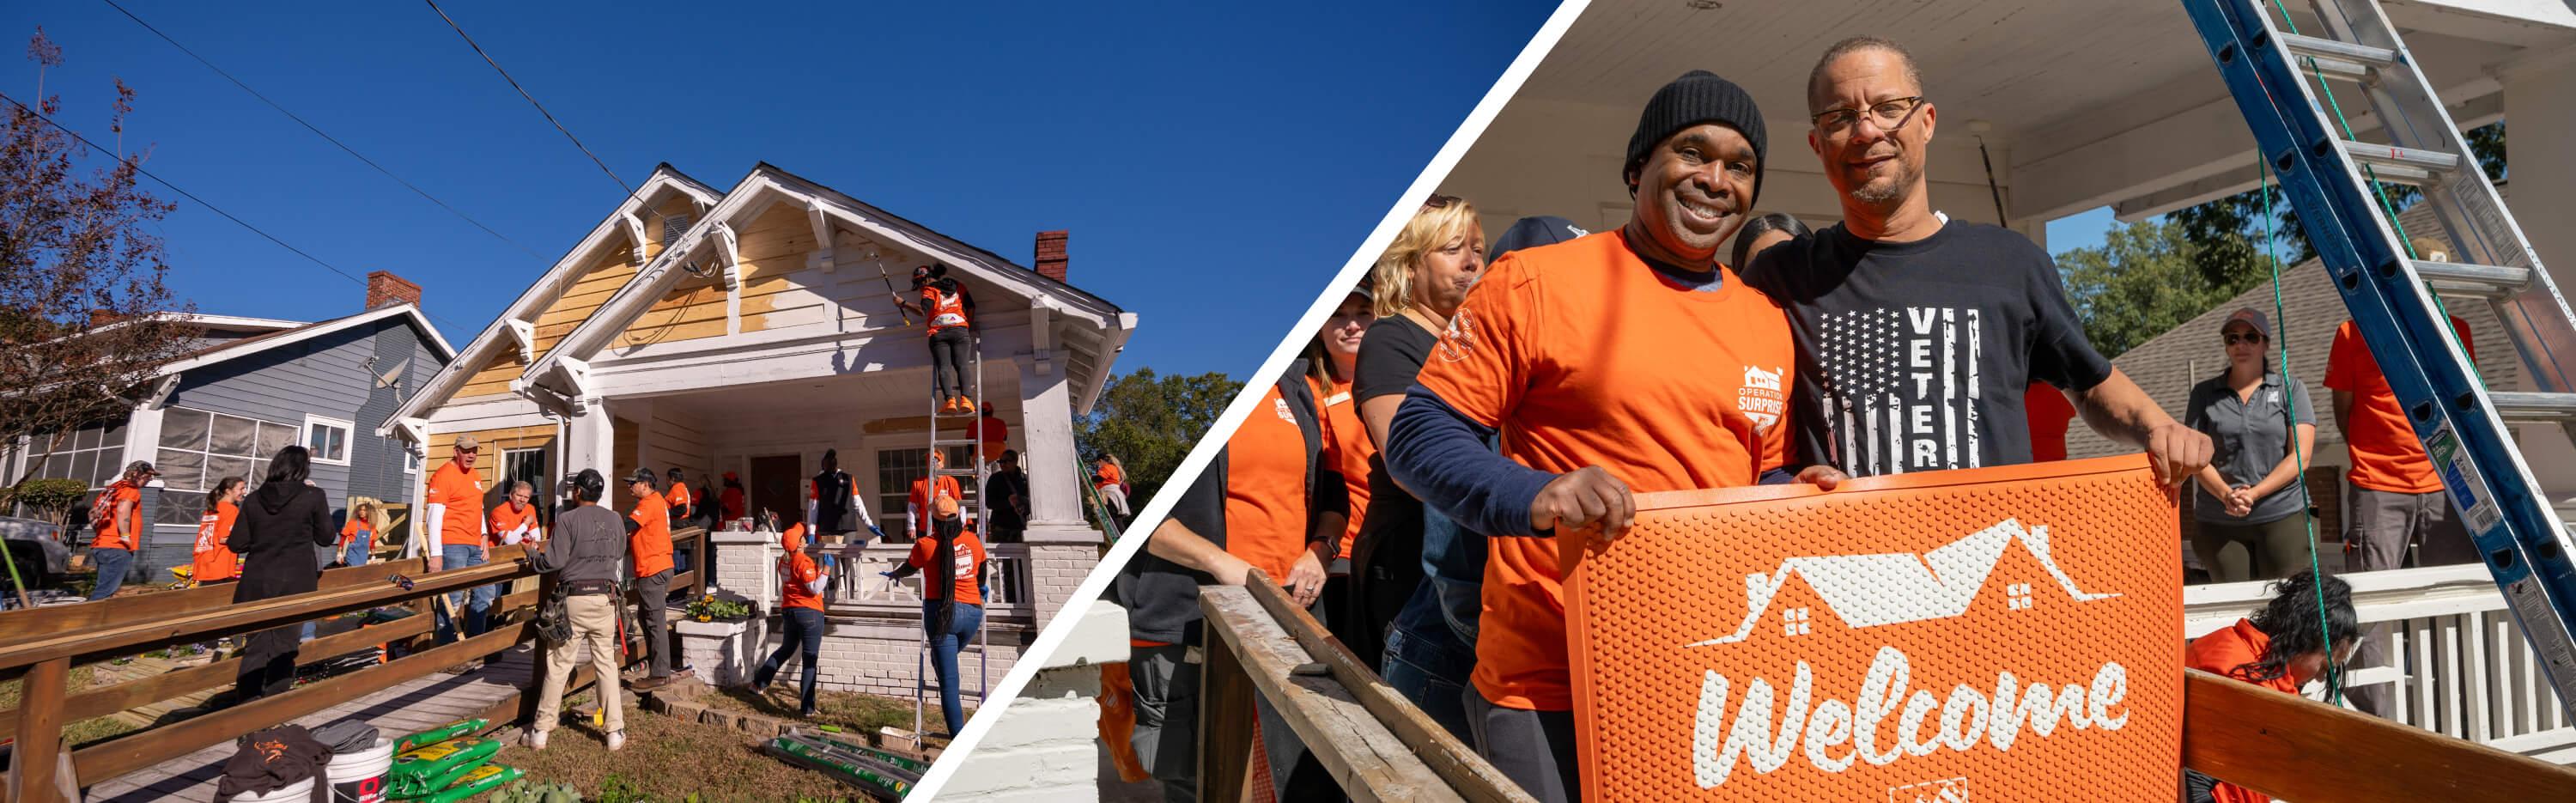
(1366, 758)
(2300, 749)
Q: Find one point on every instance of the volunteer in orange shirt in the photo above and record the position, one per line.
(1333, 357)
(1622, 360)
(648, 544)
(800, 599)
(515, 520)
(117, 516)
(916, 505)
(452, 506)
(1110, 481)
(684, 512)
(2282, 648)
(1255, 506)
(215, 563)
(731, 498)
(952, 596)
(2397, 500)
(950, 313)
(993, 432)
(358, 535)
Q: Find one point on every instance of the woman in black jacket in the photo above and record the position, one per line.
(279, 526)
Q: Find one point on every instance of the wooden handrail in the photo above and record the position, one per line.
(218, 619)
(45, 658)
(29, 624)
(2295, 748)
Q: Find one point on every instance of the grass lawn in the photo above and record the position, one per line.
(851, 711)
(84, 731)
(667, 761)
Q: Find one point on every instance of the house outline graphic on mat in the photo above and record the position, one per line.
(1897, 587)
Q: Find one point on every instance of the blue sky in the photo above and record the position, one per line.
(1213, 165)
(2084, 229)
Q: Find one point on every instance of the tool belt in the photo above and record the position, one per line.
(587, 587)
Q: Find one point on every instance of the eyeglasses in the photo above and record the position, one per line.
(1890, 114)
(2234, 338)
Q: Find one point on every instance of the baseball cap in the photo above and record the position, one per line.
(644, 475)
(467, 443)
(945, 507)
(2250, 317)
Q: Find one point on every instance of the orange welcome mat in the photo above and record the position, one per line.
(1997, 634)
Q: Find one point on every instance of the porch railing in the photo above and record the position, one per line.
(2459, 664)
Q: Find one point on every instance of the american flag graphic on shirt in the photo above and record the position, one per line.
(1900, 388)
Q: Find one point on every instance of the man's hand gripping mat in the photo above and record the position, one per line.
(1998, 634)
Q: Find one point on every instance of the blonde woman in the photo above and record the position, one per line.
(358, 536)
(1417, 286)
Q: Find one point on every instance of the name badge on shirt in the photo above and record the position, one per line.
(1281, 406)
(2272, 396)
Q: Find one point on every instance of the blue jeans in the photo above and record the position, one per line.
(804, 633)
(476, 601)
(943, 654)
(1428, 664)
(112, 565)
(359, 546)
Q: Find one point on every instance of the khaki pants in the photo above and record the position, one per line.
(594, 621)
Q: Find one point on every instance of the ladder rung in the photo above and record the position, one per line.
(2397, 165)
(2335, 59)
(2463, 279)
(2525, 407)
(952, 441)
(960, 472)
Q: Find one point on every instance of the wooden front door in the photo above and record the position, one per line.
(777, 483)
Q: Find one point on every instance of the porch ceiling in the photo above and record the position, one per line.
(897, 392)
(2091, 102)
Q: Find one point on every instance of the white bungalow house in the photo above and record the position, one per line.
(749, 330)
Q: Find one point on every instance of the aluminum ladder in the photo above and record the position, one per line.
(2391, 294)
(980, 471)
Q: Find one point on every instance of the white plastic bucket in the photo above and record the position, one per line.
(297, 792)
(360, 777)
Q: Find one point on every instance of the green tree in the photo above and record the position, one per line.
(2227, 233)
(1150, 422)
(2144, 280)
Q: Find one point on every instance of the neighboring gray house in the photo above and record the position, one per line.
(253, 387)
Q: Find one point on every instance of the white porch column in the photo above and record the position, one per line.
(2540, 102)
(590, 437)
(1046, 428)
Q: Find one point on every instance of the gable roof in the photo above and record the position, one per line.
(767, 185)
(2167, 365)
(244, 347)
(451, 377)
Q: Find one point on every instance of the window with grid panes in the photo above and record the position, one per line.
(93, 454)
(199, 448)
(898, 469)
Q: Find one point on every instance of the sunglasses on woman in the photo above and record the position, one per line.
(2234, 338)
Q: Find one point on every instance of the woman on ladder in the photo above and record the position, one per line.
(949, 312)
(952, 598)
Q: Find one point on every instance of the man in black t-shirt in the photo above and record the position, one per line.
(1007, 492)
(1917, 336)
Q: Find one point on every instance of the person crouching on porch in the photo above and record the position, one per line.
(2308, 631)
(952, 597)
(583, 556)
(800, 600)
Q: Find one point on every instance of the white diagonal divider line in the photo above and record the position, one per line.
(998, 701)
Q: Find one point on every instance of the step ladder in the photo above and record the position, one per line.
(2268, 65)
(980, 471)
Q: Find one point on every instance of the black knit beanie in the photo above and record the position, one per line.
(1699, 96)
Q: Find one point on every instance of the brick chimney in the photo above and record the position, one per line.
(1051, 257)
(385, 289)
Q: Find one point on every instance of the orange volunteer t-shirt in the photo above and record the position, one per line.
(2385, 454)
(920, 499)
(945, 310)
(801, 580)
(651, 543)
(679, 495)
(1583, 355)
(2220, 652)
(968, 564)
(1265, 488)
(462, 492)
(1108, 475)
(2048, 411)
(349, 532)
(214, 561)
(1346, 447)
(113, 534)
(504, 520)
